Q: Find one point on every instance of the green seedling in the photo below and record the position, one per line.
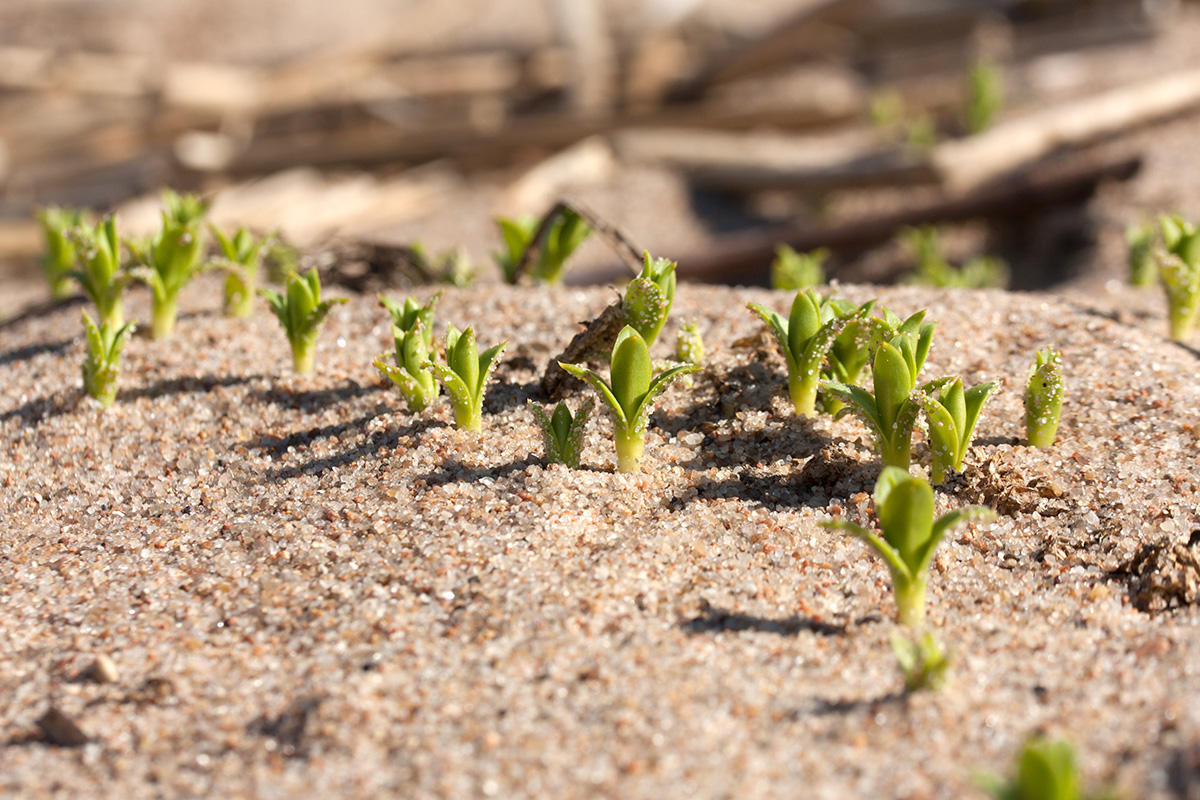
(300, 310)
(1043, 399)
(851, 350)
(465, 375)
(412, 351)
(103, 363)
(689, 345)
(562, 432)
(805, 339)
(952, 414)
(932, 269)
(921, 660)
(567, 231)
(649, 296)
(891, 412)
(241, 259)
(62, 251)
(99, 272)
(1142, 268)
(410, 313)
(631, 393)
(1179, 269)
(985, 96)
(904, 506)
(792, 271)
(171, 259)
(1046, 770)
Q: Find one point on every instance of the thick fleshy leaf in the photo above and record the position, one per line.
(460, 395)
(601, 388)
(631, 369)
(900, 571)
(463, 357)
(859, 402)
(487, 362)
(1046, 771)
(645, 306)
(775, 323)
(944, 525)
(975, 399)
(893, 382)
(943, 436)
(904, 506)
(804, 321)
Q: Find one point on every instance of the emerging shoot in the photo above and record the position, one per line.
(171, 259)
(99, 271)
(631, 393)
(567, 231)
(1046, 770)
(300, 310)
(921, 660)
(412, 351)
(952, 414)
(985, 95)
(61, 250)
(649, 296)
(241, 260)
(562, 433)
(410, 313)
(1140, 240)
(792, 271)
(465, 375)
(904, 506)
(102, 366)
(1043, 399)
(1179, 269)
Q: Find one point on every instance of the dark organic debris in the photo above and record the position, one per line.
(1165, 575)
(61, 730)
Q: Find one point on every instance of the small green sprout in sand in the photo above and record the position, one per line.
(103, 363)
(171, 258)
(412, 351)
(62, 251)
(932, 269)
(631, 393)
(851, 350)
(1179, 269)
(241, 258)
(465, 375)
(300, 310)
(791, 271)
(649, 296)
(1139, 238)
(408, 314)
(567, 231)
(891, 412)
(952, 413)
(904, 506)
(805, 339)
(100, 272)
(985, 95)
(1046, 770)
(1043, 399)
(689, 344)
(921, 660)
(562, 432)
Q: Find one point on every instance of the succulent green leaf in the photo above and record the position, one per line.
(486, 363)
(660, 384)
(893, 381)
(1044, 392)
(631, 369)
(562, 433)
(899, 570)
(944, 525)
(601, 388)
(775, 323)
(463, 357)
(803, 321)
(905, 506)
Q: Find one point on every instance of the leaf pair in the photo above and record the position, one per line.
(904, 506)
(101, 367)
(465, 375)
(562, 432)
(631, 393)
(951, 413)
(241, 258)
(300, 310)
(412, 334)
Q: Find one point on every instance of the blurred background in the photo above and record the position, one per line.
(1016, 138)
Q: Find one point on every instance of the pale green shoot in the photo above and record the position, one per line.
(921, 660)
(792, 271)
(171, 259)
(1179, 269)
(1046, 770)
(412, 351)
(62, 251)
(562, 433)
(952, 414)
(649, 296)
(99, 271)
(102, 366)
(241, 259)
(1139, 238)
(300, 310)
(465, 375)
(1044, 392)
(410, 313)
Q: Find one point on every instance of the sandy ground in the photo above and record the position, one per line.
(307, 591)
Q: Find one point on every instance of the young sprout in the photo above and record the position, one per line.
(1046, 770)
(412, 351)
(1043, 399)
(517, 234)
(103, 363)
(985, 95)
(921, 660)
(689, 345)
(61, 249)
(891, 413)
(562, 432)
(465, 375)
(631, 393)
(805, 339)
(410, 313)
(852, 348)
(1139, 238)
(932, 269)
(904, 507)
(952, 414)
(300, 310)
(1179, 269)
(242, 258)
(649, 296)
(791, 271)
(99, 271)
(567, 231)
(171, 259)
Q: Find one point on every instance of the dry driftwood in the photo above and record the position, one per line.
(594, 342)
(630, 255)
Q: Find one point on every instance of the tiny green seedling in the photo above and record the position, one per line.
(932, 269)
(689, 344)
(851, 350)
(102, 366)
(61, 249)
(465, 375)
(791, 271)
(410, 313)
(567, 231)
(241, 259)
(805, 340)
(649, 296)
(300, 310)
(412, 351)
(904, 506)
(631, 393)
(985, 95)
(921, 660)
(1046, 770)
(1140, 240)
(517, 234)
(1043, 399)
(171, 259)
(1179, 269)
(952, 414)
(562, 432)
(99, 271)
(891, 412)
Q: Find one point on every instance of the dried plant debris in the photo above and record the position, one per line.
(1012, 488)
(61, 730)
(1165, 575)
(592, 344)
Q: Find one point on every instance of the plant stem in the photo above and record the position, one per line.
(163, 317)
(629, 449)
(910, 601)
(803, 389)
(303, 355)
(895, 454)
(467, 418)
